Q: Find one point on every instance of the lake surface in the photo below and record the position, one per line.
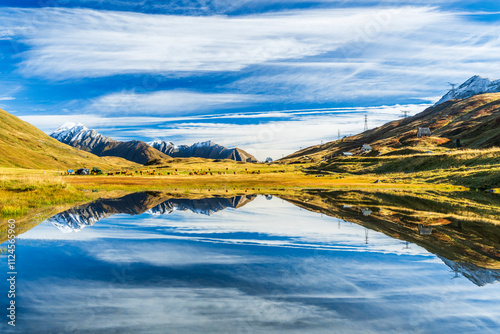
(251, 264)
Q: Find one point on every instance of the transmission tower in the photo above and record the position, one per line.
(366, 122)
(405, 113)
(452, 88)
(339, 134)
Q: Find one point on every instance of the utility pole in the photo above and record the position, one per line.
(405, 113)
(339, 134)
(452, 88)
(366, 122)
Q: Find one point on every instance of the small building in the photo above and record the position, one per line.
(424, 230)
(347, 154)
(423, 132)
(269, 160)
(366, 148)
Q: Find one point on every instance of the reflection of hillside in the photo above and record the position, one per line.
(450, 232)
(77, 218)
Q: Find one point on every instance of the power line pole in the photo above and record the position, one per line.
(405, 113)
(366, 122)
(339, 134)
(452, 88)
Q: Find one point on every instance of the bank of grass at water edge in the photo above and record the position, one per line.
(470, 168)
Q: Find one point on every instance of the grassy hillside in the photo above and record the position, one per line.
(23, 145)
(475, 122)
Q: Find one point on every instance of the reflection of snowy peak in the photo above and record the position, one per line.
(68, 222)
(474, 86)
(477, 275)
(77, 218)
(206, 206)
(207, 150)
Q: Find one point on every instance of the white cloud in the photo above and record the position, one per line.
(100, 43)
(161, 102)
(7, 98)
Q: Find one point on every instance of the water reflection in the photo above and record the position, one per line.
(260, 265)
(154, 203)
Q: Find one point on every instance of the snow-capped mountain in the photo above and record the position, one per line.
(474, 86)
(83, 138)
(207, 150)
(78, 135)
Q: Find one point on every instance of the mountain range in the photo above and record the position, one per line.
(81, 137)
(207, 150)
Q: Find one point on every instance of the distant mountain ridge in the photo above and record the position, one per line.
(83, 138)
(207, 150)
(474, 86)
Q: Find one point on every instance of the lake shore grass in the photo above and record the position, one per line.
(24, 190)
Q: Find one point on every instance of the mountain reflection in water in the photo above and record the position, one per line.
(467, 250)
(352, 262)
(154, 203)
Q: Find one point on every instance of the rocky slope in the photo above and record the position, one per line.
(83, 138)
(207, 150)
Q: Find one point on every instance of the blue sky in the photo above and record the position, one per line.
(266, 76)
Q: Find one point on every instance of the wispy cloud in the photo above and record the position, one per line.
(100, 43)
(162, 102)
(334, 54)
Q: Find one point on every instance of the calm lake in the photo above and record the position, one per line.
(252, 264)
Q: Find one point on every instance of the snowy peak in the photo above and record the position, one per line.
(474, 86)
(83, 138)
(207, 149)
(71, 132)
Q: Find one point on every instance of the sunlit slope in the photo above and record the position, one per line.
(475, 122)
(23, 145)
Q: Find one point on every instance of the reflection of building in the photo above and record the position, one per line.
(366, 212)
(268, 197)
(424, 230)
